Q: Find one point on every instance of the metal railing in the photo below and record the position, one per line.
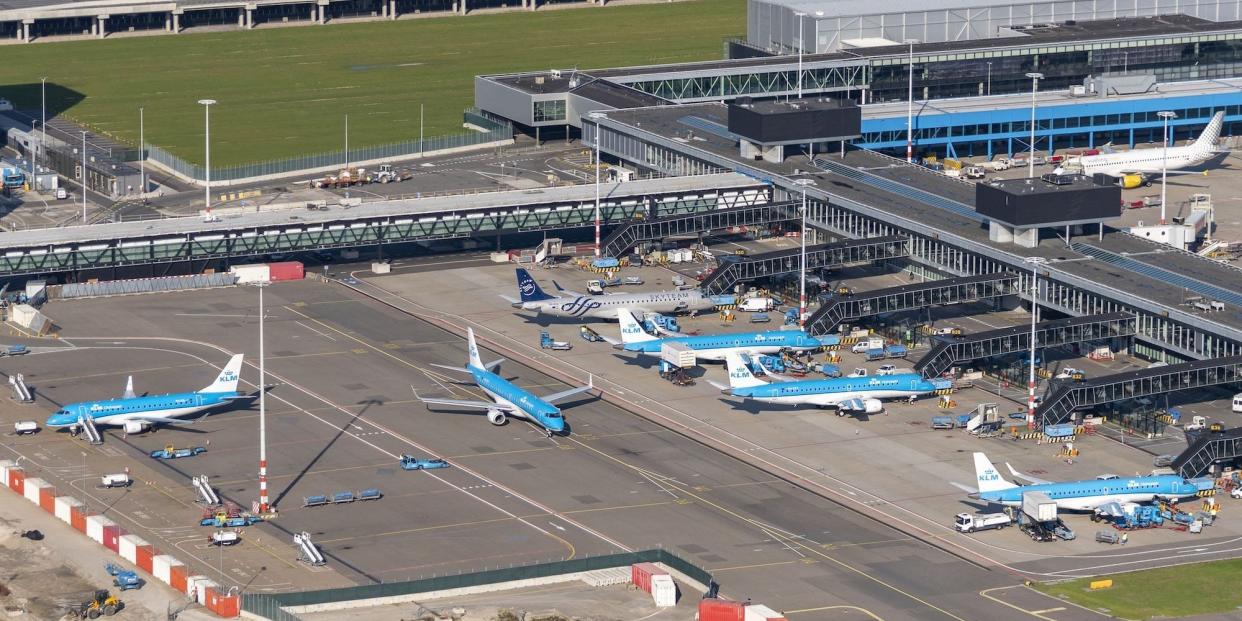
(273, 606)
(497, 129)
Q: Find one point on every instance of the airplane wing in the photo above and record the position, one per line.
(129, 389)
(162, 420)
(611, 341)
(719, 386)
(965, 488)
(460, 403)
(567, 291)
(512, 300)
(491, 366)
(557, 396)
(1026, 477)
(1107, 148)
(1112, 509)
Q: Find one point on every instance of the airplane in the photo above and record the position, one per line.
(1140, 166)
(507, 399)
(714, 347)
(1088, 495)
(846, 394)
(140, 413)
(579, 306)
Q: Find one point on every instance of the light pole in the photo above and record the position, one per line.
(346, 142)
(263, 504)
(1125, 63)
(989, 77)
(142, 153)
(43, 113)
(1030, 162)
(801, 46)
(802, 264)
(1034, 262)
(83, 177)
(84, 477)
(420, 130)
(1164, 160)
(910, 104)
(207, 103)
(599, 130)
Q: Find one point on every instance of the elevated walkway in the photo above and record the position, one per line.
(1209, 449)
(635, 232)
(1065, 396)
(734, 269)
(835, 309)
(948, 351)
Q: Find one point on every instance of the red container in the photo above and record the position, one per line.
(641, 573)
(144, 554)
(226, 606)
(112, 536)
(176, 577)
(77, 518)
(721, 610)
(17, 480)
(47, 499)
(286, 270)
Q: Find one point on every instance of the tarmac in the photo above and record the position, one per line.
(830, 518)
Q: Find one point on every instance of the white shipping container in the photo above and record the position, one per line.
(663, 590)
(95, 527)
(23, 314)
(678, 354)
(1038, 505)
(32, 489)
(127, 547)
(5, 464)
(64, 508)
(252, 273)
(673, 256)
(162, 567)
(196, 587)
(759, 612)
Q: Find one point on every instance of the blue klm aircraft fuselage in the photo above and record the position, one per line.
(503, 391)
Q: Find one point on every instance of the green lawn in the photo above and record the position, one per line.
(1172, 592)
(285, 91)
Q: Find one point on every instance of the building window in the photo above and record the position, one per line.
(549, 111)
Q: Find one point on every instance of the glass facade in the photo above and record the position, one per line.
(553, 110)
(1002, 71)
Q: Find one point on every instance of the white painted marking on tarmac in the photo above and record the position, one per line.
(320, 333)
(557, 526)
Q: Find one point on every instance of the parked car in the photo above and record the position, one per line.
(886, 369)
(1163, 461)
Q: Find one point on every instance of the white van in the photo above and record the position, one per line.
(862, 346)
(1237, 402)
(757, 305)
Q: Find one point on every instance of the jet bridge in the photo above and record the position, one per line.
(1066, 396)
(947, 351)
(637, 231)
(1207, 450)
(837, 309)
(734, 269)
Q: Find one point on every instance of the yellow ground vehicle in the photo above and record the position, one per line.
(102, 603)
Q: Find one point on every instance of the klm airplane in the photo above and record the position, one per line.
(715, 347)
(846, 394)
(1079, 495)
(507, 399)
(138, 414)
(579, 306)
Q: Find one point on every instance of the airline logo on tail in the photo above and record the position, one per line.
(631, 331)
(228, 378)
(988, 477)
(528, 289)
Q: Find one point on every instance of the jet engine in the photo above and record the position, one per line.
(872, 406)
(134, 426)
(496, 417)
(1129, 182)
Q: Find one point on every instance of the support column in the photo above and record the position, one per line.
(176, 22)
(168, 23)
(249, 17)
(323, 12)
(101, 26)
(464, 8)
(241, 18)
(23, 31)
(392, 9)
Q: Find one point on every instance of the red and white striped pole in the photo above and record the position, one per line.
(1030, 399)
(264, 507)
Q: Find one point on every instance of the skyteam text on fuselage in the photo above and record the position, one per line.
(578, 306)
(137, 414)
(1086, 495)
(507, 399)
(714, 347)
(847, 394)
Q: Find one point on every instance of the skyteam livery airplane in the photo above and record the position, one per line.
(847, 394)
(137, 414)
(1138, 166)
(715, 347)
(576, 305)
(507, 399)
(1078, 495)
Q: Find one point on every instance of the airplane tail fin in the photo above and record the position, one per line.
(1206, 142)
(739, 374)
(228, 378)
(528, 289)
(474, 360)
(631, 330)
(988, 476)
(129, 389)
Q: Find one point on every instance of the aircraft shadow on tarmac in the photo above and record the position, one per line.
(756, 408)
(366, 405)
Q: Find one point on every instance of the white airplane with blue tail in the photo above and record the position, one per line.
(507, 399)
(140, 413)
(846, 394)
(714, 347)
(1089, 495)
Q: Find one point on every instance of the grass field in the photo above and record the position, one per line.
(1159, 593)
(284, 92)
